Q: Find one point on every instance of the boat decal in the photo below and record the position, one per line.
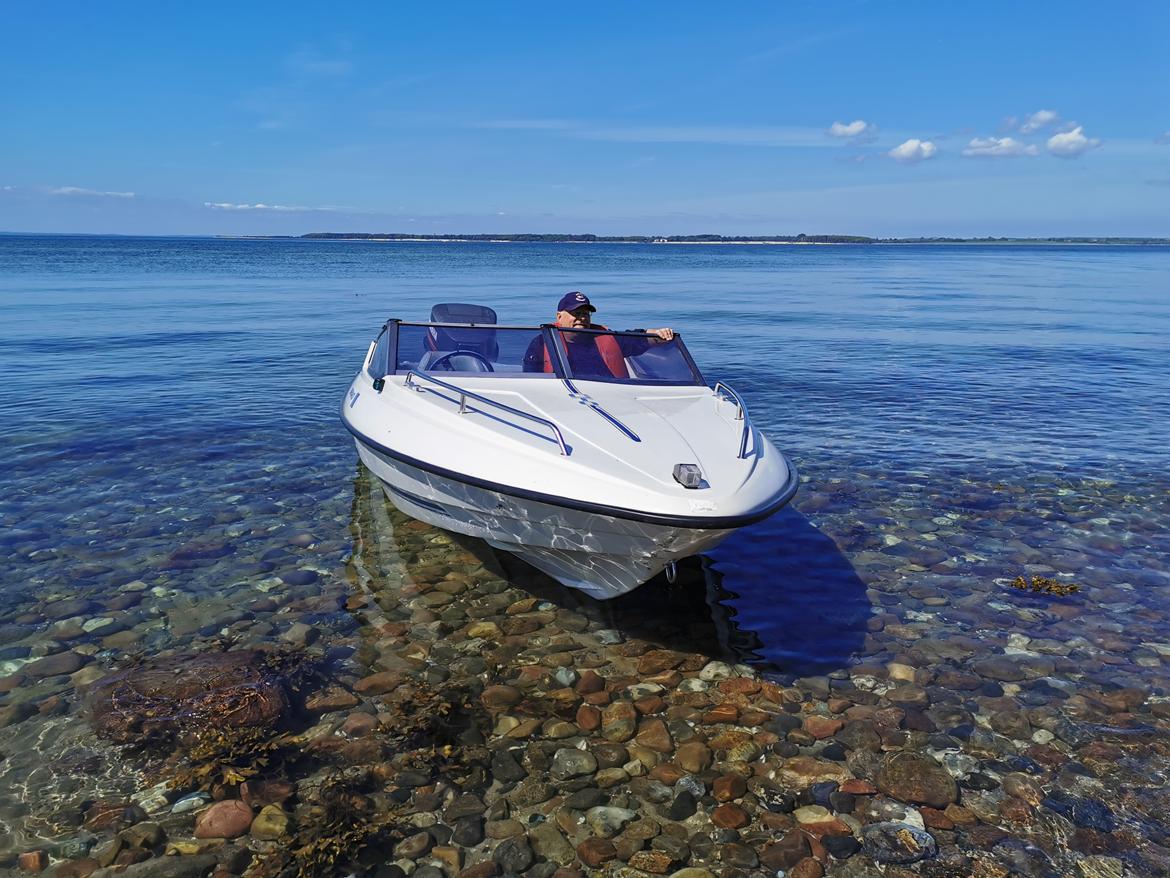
(353, 397)
(698, 522)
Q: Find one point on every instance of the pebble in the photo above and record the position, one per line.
(898, 843)
(228, 819)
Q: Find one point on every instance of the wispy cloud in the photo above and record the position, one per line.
(998, 147)
(1071, 144)
(313, 63)
(851, 130)
(1038, 120)
(725, 135)
(90, 193)
(276, 208)
(1163, 138)
(913, 151)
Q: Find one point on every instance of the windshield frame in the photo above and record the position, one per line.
(555, 344)
(565, 369)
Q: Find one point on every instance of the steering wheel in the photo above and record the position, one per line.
(445, 360)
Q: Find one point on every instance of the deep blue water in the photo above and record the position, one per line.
(915, 356)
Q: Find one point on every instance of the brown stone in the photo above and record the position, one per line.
(595, 851)
(590, 682)
(379, 683)
(721, 713)
(739, 686)
(934, 819)
(728, 787)
(730, 816)
(228, 819)
(666, 773)
(786, 853)
(12, 681)
(806, 868)
(486, 869)
(657, 660)
(858, 787)
(55, 665)
(588, 718)
(82, 868)
(496, 698)
(359, 724)
(104, 813)
(960, 815)
(654, 735)
(802, 772)
(330, 698)
(654, 862)
(693, 756)
(650, 704)
(916, 778)
(821, 727)
(33, 861)
(618, 721)
(666, 679)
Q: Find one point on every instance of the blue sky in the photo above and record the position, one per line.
(771, 118)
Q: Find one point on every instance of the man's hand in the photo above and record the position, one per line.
(665, 334)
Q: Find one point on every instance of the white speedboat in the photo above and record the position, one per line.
(599, 457)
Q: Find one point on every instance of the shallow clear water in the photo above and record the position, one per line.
(961, 415)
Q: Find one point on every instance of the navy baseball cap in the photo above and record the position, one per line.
(574, 300)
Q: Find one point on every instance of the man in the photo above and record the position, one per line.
(590, 355)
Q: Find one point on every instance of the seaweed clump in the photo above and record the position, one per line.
(1044, 585)
(349, 815)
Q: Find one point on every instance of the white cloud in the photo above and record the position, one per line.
(279, 208)
(92, 193)
(852, 129)
(1038, 120)
(1070, 144)
(913, 150)
(998, 147)
(1163, 138)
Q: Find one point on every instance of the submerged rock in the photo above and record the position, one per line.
(184, 693)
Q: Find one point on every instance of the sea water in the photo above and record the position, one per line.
(175, 477)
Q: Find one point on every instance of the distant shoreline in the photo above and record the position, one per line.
(699, 240)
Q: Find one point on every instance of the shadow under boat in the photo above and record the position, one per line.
(778, 596)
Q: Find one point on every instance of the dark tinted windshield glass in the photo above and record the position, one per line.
(465, 350)
(628, 357)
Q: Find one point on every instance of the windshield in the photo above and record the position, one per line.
(626, 357)
(540, 352)
(464, 350)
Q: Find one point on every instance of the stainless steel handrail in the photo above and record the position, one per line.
(741, 415)
(464, 395)
(585, 399)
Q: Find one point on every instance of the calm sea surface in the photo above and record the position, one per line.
(961, 416)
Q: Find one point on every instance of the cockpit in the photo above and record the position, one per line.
(465, 341)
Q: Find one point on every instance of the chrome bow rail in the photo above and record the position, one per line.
(587, 400)
(740, 415)
(464, 395)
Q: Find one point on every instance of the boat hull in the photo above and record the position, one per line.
(602, 555)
